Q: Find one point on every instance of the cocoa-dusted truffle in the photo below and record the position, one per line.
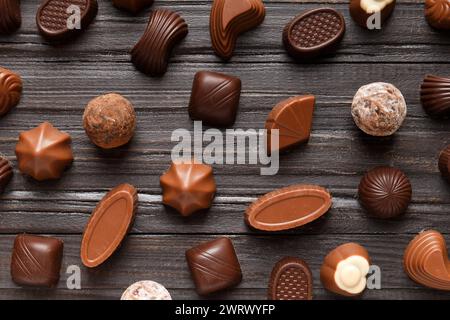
(379, 109)
(109, 120)
(385, 192)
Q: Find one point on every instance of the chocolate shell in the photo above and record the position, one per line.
(6, 173)
(10, 90)
(53, 16)
(188, 187)
(229, 19)
(435, 96)
(426, 260)
(291, 279)
(444, 163)
(293, 118)
(109, 224)
(10, 16)
(437, 13)
(313, 33)
(288, 208)
(44, 152)
(385, 192)
(344, 270)
(152, 56)
(362, 10)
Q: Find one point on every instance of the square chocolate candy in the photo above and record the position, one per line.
(36, 261)
(215, 98)
(214, 266)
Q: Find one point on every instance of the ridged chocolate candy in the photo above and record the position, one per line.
(152, 52)
(10, 90)
(444, 162)
(437, 13)
(435, 96)
(10, 17)
(6, 173)
(230, 18)
(314, 33)
(426, 260)
(385, 192)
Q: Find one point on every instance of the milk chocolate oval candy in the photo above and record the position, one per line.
(314, 33)
(288, 208)
(426, 261)
(291, 279)
(344, 270)
(10, 17)
(371, 14)
(59, 20)
(108, 225)
(152, 52)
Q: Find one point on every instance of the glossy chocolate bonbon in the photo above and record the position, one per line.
(6, 173)
(385, 192)
(293, 118)
(364, 12)
(229, 19)
(109, 120)
(344, 270)
(109, 224)
(214, 266)
(288, 208)
(291, 279)
(10, 90)
(437, 13)
(215, 98)
(314, 33)
(435, 96)
(55, 18)
(44, 152)
(426, 260)
(133, 6)
(10, 16)
(36, 261)
(188, 187)
(146, 290)
(150, 56)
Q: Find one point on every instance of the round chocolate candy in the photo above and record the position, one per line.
(371, 14)
(109, 120)
(146, 290)
(437, 13)
(385, 192)
(379, 109)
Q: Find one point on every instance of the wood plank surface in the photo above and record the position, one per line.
(60, 80)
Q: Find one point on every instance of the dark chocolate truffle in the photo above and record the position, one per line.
(385, 192)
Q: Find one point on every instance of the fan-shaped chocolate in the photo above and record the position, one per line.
(435, 96)
(385, 192)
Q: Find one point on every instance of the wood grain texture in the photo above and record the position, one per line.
(60, 80)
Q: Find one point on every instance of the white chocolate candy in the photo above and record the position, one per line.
(372, 6)
(146, 290)
(350, 274)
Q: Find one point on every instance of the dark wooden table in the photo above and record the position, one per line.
(59, 81)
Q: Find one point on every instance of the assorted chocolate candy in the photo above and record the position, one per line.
(10, 16)
(435, 96)
(437, 13)
(10, 90)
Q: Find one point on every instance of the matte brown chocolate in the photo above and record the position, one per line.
(10, 16)
(133, 6)
(426, 260)
(385, 192)
(150, 56)
(291, 279)
(437, 13)
(444, 163)
(288, 208)
(435, 96)
(109, 120)
(229, 19)
(364, 12)
(44, 152)
(293, 118)
(215, 98)
(109, 224)
(10, 90)
(56, 19)
(314, 33)
(188, 187)
(214, 266)
(344, 270)
(6, 173)
(36, 261)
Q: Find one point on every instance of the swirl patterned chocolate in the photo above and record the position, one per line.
(10, 90)
(152, 52)
(10, 17)
(437, 13)
(435, 96)
(230, 18)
